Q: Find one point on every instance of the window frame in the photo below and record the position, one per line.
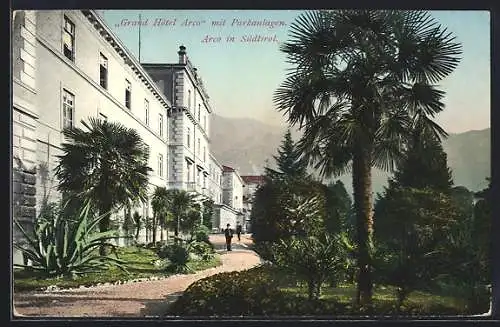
(105, 66)
(160, 124)
(160, 164)
(146, 111)
(64, 106)
(128, 94)
(72, 35)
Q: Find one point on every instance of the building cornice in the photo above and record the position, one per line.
(198, 84)
(97, 21)
(106, 93)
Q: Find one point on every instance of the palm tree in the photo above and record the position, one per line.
(361, 82)
(181, 202)
(107, 163)
(160, 204)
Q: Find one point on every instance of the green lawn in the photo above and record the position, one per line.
(384, 299)
(140, 264)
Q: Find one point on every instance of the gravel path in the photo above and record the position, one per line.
(140, 299)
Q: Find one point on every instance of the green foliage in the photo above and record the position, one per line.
(362, 82)
(178, 255)
(424, 165)
(107, 164)
(65, 246)
(339, 208)
(253, 291)
(315, 259)
(201, 234)
(267, 290)
(288, 161)
(412, 227)
(201, 249)
(284, 208)
(191, 220)
(137, 220)
(208, 212)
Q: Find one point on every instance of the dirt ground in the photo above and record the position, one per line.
(140, 299)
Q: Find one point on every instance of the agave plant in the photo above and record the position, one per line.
(61, 246)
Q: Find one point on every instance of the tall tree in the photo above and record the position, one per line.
(181, 203)
(107, 163)
(161, 203)
(287, 160)
(361, 81)
(338, 203)
(424, 165)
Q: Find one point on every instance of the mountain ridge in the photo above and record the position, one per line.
(247, 145)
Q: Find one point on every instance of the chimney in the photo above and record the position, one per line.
(182, 55)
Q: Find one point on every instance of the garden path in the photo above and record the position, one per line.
(140, 299)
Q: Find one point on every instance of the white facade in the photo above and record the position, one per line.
(252, 183)
(189, 159)
(232, 189)
(81, 70)
(215, 178)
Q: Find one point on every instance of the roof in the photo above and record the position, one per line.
(227, 168)
(253, 179)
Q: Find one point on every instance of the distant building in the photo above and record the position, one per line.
(252, 183)
(230, 211)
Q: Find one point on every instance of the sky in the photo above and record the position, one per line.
(241, 76)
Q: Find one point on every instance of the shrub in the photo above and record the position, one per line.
(247, 292)
(314, 259)
(201, 233)
(177, 254)
(201, 249)
(61, 246)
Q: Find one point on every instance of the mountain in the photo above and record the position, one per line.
(245, 144)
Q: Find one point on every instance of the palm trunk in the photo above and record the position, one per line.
(161, 233)
(104, 225)
(362, 186)
(154, 229)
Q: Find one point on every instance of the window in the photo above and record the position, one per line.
(189, 99)
(205, 123)
(68, 109)
(69, 39)
(204, 154)
(198, 147)
(103, 71)
(188, 137)
(146, 111)
(128, 93)
(199, 112)
(160, 165)
(160, 124)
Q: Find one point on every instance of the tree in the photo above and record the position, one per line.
(161, 204)
(287, 159)
(424, 165)
(338, 203)
(208, 212)
(137, 223)
(361, 81)
(181, 203)
(107, 163)
(412, 227)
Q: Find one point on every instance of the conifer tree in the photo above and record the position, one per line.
(424, 165)
(287, 160)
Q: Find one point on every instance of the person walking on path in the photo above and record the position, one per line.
(228, 232)
(238, 231)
